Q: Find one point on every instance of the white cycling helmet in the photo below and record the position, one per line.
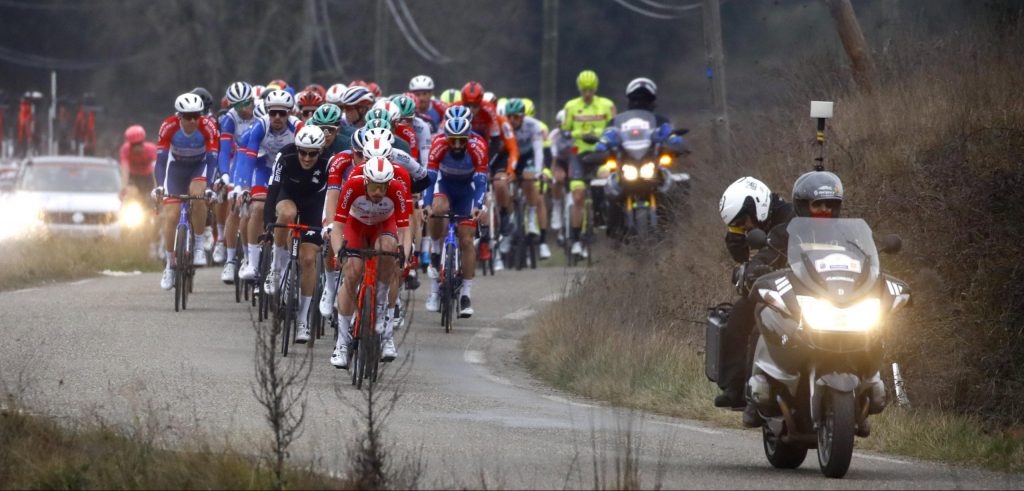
(421, 82)
(279, 99)
(379, 170)
(188, 103)
(238, 92)
(259, 109)
(310, 136)
(394, 112)
(377, 146)
(560, 117)
(490, 97)
(745, 196)
(381, 133)
(334, 93)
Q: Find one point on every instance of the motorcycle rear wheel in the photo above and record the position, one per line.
(780, 454)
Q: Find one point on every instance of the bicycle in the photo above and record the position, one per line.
(324, 260)
(587, 227)
(524, 248)
(184, 241)
(364, 352)
(286, 301)
(241, 290)
(450, 276)
(485, 247)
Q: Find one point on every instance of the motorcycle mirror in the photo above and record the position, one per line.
(680, 131)
(890, 244)
(757, 239)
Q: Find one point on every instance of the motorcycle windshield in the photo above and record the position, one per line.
(636, 141)
(833, 257)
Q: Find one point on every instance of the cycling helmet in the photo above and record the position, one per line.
(490, 97)
(515, 106)
(472, 93)
(206, 96)
(308, 98)
(357, 83)
(281, 84)
(310, 136)
(745, 197)
(278, 99)
(587, 80)
(378, 146)
(334, 94)
(394, 113)
(817, 186)
(528, 108)
(451, 96)
(239, 92)
(319, 89)
(259, 108)
(378, 170)
(378, 133)
(135, 134)
(421, 82)
(457, 127)
(560, 116)
(642, 88)
(374, 89)
(327, 115)
(356, 95)
(406, 106)
(188, 103)
(378, 123)
(357, 140)
(258, 91)
(378, 113)
(454, 112)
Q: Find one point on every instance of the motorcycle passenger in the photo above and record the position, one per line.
(745, 205)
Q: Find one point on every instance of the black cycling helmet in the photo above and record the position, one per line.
(206, 96)
(817, 186)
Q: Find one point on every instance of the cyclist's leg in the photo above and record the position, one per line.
(176, 181)
(310, 212)
(198, 219)
(436, 228)
(286, 212)
(532, 194)
(462, 204)
(560, 171)
(230, 233)
(259, 192)
(354, 234)
(577, 186)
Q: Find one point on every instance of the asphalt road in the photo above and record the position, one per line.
(114, 347)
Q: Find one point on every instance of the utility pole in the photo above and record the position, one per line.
(380, 46)
(716, 75)
(306, 66)
(853, 42)
(549, 62)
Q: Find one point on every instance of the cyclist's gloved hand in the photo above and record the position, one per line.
(157, 192)
(233, 194)
(589, 138)
(210, 195)
(327, 230)
(246, 195)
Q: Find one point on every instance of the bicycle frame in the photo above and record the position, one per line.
(367, 357)
(289, 299)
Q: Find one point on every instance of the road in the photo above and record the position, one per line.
(114, 347)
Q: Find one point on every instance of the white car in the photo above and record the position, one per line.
(68, 195)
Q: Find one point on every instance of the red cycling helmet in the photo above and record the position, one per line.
(308, 98)
(472, 93)
(224, 103)
(319, 89)
(374, 88)
(135, 134)
(357, 82)
(279, 83)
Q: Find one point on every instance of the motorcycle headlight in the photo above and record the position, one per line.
(629, 172)
(132, 215)
(823, 316)
(647, 171)
(665, 160)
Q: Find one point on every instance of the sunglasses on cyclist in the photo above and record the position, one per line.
(378, 187)
(307, 113)
(189, 116)
(328, 129)
(308, 153)
(242, 104)
(278, 113)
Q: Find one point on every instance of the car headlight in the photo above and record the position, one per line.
(629, 172)
(821, 315)
(647, 171)
(132, 215)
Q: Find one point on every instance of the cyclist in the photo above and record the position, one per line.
(373, 212)
(530, 137)
(328, 118)
(427, 108)
(355, 103)
(296, 194)
(306, 103)
(267, 137)
(404, 127)
(334, 94)
(186, 159)
(317, 88)
(138, 160)
(546, 176)
(585, 119)
(449, 97)
(233, 124)
(383, 117)
(458, 166)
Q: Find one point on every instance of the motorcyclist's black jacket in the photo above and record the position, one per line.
(780, 212)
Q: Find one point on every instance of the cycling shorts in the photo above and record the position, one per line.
(527, 164)
(181, 174)
(460, 198)
(578, 170)
(359, 235)
(498, 164)
(261, 176)
(310, 211)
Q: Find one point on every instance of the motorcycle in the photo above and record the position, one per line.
(816, 377)
(639, 162)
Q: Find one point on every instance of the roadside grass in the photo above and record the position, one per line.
(933, 155)
(27, 262)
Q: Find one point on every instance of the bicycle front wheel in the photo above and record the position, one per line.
(366, 335)
(449, 299)
(179, 271)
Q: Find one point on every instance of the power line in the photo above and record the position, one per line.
(419, 34)
(405, 33)
(331, 47)
(644, 12)
(680, 8)
(657, 15)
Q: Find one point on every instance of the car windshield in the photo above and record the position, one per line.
(71, 178)
(836, 257)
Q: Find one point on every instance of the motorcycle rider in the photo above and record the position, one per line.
(745, 205)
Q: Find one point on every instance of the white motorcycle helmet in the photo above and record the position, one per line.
(746, 196)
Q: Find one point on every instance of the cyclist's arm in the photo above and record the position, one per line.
(227, 141)
(480, 176)
(438, 149)
(511, 146)
(124, 164)
(208, 127)
(537, 141)
(247, 155)
(163, 148)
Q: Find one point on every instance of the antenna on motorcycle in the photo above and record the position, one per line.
(821, 110)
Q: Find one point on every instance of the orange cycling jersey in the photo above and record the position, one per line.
(508, 137)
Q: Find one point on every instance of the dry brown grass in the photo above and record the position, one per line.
(936, 155)
(27, 262)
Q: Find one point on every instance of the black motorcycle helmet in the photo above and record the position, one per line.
(641, 93)
(817, 186)
(206, 97)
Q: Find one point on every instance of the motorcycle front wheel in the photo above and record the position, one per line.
(836, 432)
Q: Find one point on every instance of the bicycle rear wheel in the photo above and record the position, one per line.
(289, 305)
(190, 252)
(239, 288)
(179, 272)
(264, 269)
(449, 301)
(316, 319)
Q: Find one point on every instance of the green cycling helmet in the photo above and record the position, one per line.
(379, 113)
(378, 123)
(406, 105)
(451, 96)
(326, 115)
(529, 110)
(587, 80)
(515, 106)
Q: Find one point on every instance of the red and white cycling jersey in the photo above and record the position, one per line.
(355, 203)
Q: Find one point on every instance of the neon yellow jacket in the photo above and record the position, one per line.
(582, 119)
